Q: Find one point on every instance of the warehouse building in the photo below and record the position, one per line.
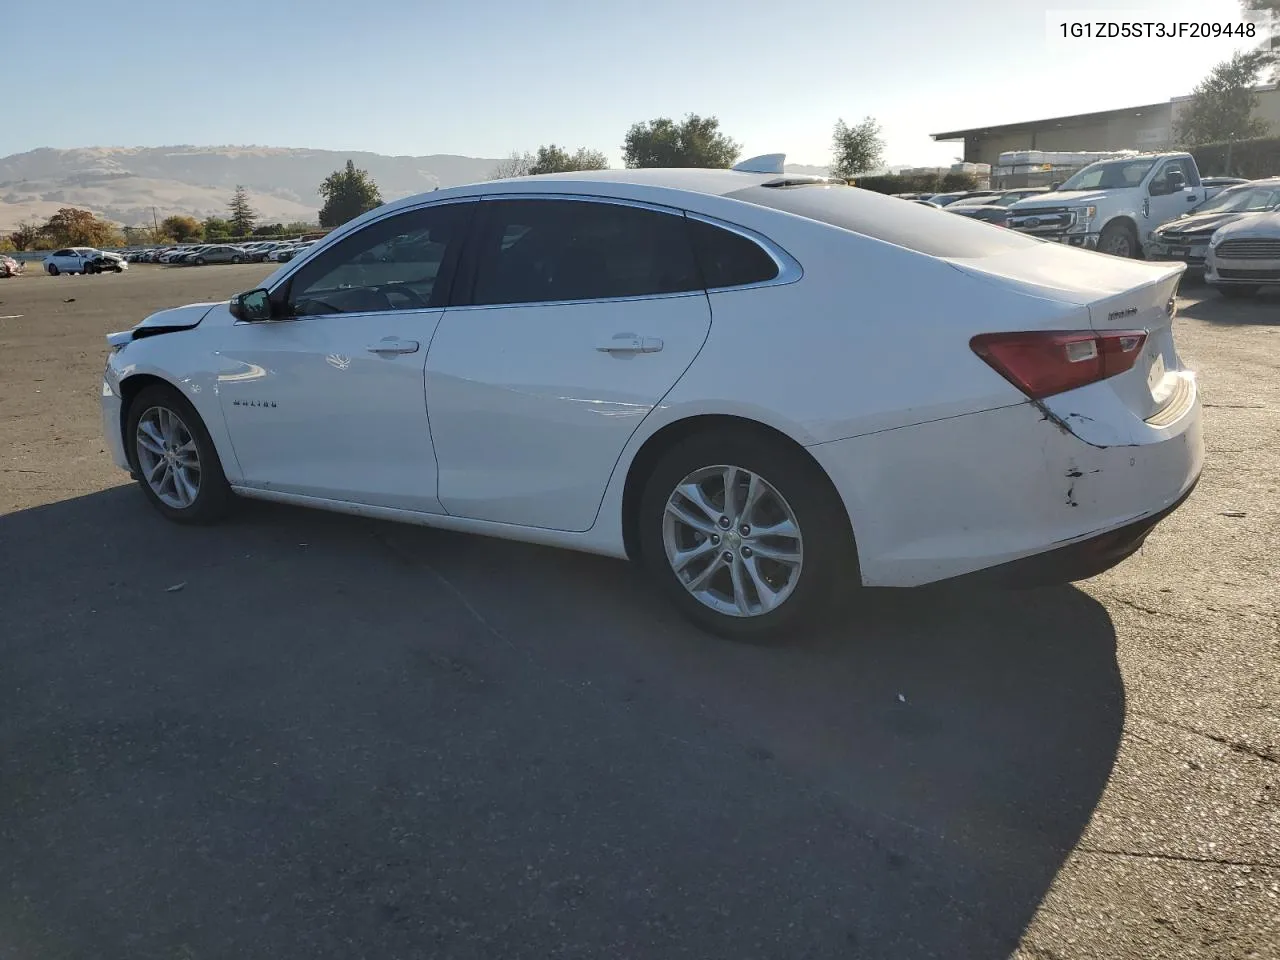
(1148, 127)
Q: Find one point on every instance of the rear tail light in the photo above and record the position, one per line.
(1042, 363)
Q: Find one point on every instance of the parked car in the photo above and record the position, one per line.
(579, 394)
(1215, 185)
(9, 267)
(219, 253)
(260, 252)
(1187, 238)
(946, 199)
(987, 213)
(284, 252)
(83, 260)
(1113, 205)
(168, 256)
(1244, 256)
(1003, 198)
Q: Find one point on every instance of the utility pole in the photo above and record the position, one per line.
(155, 236)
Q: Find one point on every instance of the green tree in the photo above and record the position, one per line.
(215, 228)
(25, 236)
(856, 150)
(298, 226)
(1222, 105)
(72, 227)
(181, 229)
(242, 216)
(693, 142)
(553, 159)
(269, 230)
(347, 194)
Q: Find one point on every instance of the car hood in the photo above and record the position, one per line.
(1198, 223)
(1252, 225)
(111, 256)
(177, 318)
(1060, 198)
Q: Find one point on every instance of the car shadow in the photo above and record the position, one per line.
(1261, 310)
(295, 731)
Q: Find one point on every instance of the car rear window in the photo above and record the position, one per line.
(916, 227)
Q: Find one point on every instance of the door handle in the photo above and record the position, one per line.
(1192, 199)
(389, 346)
(630, 343)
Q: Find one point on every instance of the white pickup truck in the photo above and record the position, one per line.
(1113, 205)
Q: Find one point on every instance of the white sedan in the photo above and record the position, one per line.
(766, 390)
(83, 260)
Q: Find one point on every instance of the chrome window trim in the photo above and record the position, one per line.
(789, 269)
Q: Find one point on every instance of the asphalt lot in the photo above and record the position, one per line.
(344, 738)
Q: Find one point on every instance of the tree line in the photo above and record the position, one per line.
(694, 141)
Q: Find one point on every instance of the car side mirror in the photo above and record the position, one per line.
(1055, 185)
(251, 307)
(1175, 180)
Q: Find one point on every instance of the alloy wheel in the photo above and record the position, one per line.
(732, 541)
(168, 457)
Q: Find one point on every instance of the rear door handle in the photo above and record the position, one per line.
(389, 346)
(630, 343)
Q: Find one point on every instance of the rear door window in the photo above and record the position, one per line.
(540, 251)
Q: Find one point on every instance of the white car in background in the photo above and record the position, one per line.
(1244, 256)
(83, 260)
(767, 390)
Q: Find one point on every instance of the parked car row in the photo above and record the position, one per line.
(1152, 206)
(200, 254)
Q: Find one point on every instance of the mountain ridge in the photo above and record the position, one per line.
(131, 185)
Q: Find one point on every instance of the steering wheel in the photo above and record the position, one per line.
(389, 289)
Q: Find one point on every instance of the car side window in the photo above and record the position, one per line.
(728, 259)
(402, 262)
(538, 251)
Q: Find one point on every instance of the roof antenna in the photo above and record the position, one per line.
(766, 163)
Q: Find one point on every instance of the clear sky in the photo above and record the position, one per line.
(485, 77)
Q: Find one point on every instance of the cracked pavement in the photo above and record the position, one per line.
(348, 738)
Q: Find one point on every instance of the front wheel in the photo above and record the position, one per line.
(1238, 293)
(199, 261)
(745, 535)
(237, 260)
(177, 465)
(1119, 240)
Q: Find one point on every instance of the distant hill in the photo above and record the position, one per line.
(124, 183)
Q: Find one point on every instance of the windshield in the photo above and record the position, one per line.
(1242, 200)
(1110, 175)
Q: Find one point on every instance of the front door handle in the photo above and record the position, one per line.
(630, 343)
(389, 346)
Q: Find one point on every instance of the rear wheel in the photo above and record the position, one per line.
(177, 464)
(745, 536)
(1119, 240)
(53, 270)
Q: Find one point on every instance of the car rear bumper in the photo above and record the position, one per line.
(940, 500)
(1076, 561)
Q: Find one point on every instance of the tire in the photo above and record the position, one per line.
(53, 269)
(88, 268)
(1119, 239)
(237, 260)
(198, 261)
(118, 269)
(1238, 293)
(792, 484)
(158, 406)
